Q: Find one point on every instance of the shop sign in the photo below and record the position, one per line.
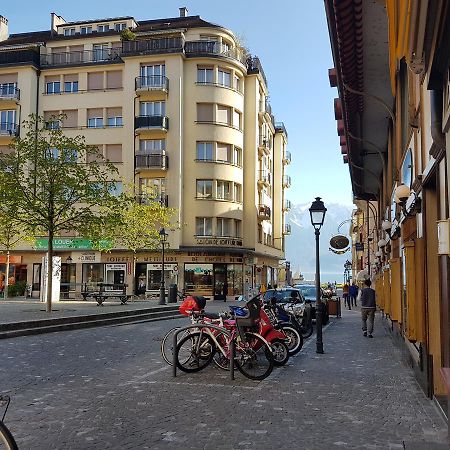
(13, 259)
(68, 243)
(116, 266)
(230, 242)
(86, 257)
(167, 266)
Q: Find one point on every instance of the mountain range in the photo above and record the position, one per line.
(301, 247)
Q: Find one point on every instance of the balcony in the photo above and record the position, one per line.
(17, 57)
(148, 123)
(100, 56)
(264, 145)
(287, 228)
(9, 92)
(154, 83)
(265, 178)
(254, 66)
(286, 181)
(152, 46)
(151, 161)
(212, 49)
(9, 129)
(280, 128)
(287, 205)
(287, 158)
(162, 199)
(264, 212)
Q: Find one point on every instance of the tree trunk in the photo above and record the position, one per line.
(50, 272)
(5, 291)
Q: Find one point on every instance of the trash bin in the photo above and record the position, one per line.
(334, 306)
(173, 289)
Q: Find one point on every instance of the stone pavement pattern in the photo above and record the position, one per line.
(107, 388)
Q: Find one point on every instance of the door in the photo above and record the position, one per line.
(220, 277)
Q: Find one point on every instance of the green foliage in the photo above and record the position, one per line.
(17, 289)
(127, 35)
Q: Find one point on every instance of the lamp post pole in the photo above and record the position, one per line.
(162, 287)
(319, 341)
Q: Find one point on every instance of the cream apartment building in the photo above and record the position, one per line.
(180, 108)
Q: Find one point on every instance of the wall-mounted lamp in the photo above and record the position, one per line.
(386, 226)
(408, 200)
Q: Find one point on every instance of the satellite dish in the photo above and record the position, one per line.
(339, 242)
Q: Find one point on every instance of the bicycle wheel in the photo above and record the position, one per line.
(254, 357)
(7, 441)
(167, 344)
(222, 361)
(194, 352)
(294, 339)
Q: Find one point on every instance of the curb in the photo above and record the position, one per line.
(10, 330)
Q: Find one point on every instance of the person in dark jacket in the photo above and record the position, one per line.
(353, 293)
(368, 307)
(225, 291)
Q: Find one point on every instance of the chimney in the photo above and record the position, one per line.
(3, 28)
(183, 11)
(56, 20)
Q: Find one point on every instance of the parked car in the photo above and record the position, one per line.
(284, 295)
(309, 294)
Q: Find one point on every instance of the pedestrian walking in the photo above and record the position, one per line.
(368, 307)
(345, 294)
(353, 293)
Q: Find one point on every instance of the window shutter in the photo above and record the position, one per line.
(94, 112)
(95, 80)
(114, 79)
(204, 112)
(114, 152)
(71, 121)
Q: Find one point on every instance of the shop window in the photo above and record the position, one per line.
(93, 273)
(198, 278)
(37, 276)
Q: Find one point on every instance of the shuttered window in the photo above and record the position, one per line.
(71, 119)
(114, 79)
(205, 112)
(114, 152)
(95, 80)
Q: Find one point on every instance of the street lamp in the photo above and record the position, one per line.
(317, 212)
(162, 289)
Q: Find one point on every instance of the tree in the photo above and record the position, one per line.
(12, 233)
(135, 224)
(59, 184)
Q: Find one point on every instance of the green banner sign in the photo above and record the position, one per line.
(67, 244)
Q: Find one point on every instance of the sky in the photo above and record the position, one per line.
(291, 40)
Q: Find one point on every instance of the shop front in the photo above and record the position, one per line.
(148, 277)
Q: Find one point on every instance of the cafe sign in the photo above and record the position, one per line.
(214, 241)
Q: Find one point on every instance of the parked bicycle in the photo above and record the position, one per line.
(7, 441)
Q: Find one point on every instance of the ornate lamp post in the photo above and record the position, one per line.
(317, 212)
(162, 289)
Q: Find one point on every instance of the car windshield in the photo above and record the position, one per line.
(286, 296)
(308, 291)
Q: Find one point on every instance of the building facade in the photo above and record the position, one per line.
(180, 108)
(393, 122)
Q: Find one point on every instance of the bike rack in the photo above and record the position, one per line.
(203, 325)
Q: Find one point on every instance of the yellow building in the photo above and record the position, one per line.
(181, 108)
(391, 69)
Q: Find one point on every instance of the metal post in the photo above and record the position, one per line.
(162, 288)
(368, 242)
(232, 356)
(319, 341)
(174, 355)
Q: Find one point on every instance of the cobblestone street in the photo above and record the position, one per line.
(108, 388)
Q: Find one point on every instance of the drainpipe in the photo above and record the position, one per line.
(436, 101)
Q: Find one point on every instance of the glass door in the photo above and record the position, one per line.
(220, 281)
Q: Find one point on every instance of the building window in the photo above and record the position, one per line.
(224, 190)
(53, 87)
(223, 153)
(69, 32)
(237, 192)
(238, 228)
(86, 30)
(237, 83)
(154, 146)
(237, 120)
(113, 153)
(8, 89)
(205, 151)
(152, 76)
(120, 26)
(152, 108)
(95, 80)
(153, 188)
(237, 156)
(71, 86)
(205, 75)
(100, 52)
(204, 189)
(114, 117)
(95, 122)
(103, 28)
(203, 226)
(114, 188)
(224, 78)
(224, 114)
(223, 227)
(205, 112)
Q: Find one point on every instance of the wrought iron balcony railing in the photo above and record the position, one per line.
(153, 46)
(151, 122)
(265, 142)
(213, 48)
(286, 181)
(287, 228)
(265, 177)
(19, 56)
(144, 199)
(264, 212)
(151, 161)
(287, 157)
(287, 205)
(152, 83)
